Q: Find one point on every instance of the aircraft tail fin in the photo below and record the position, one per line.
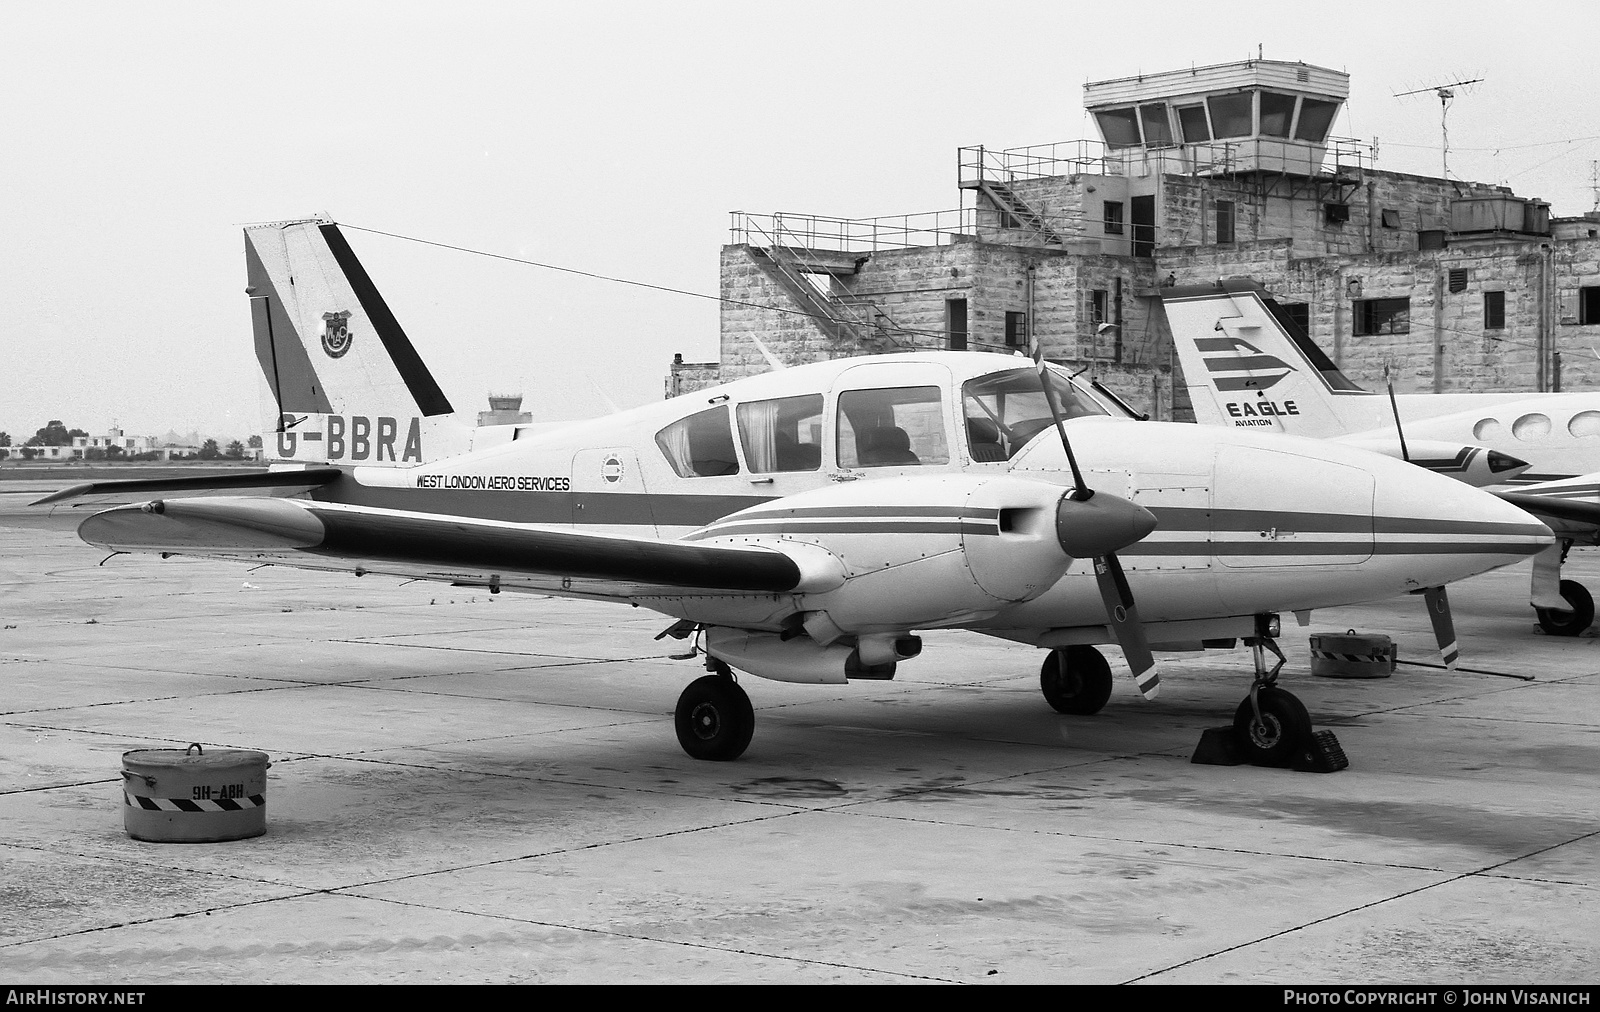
(1247, 363)
(344, 383)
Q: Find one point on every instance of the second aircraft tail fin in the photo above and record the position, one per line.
(1247, 363)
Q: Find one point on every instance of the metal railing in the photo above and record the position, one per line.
(979, 164)
(821, 233)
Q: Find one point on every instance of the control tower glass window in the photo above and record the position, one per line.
(1316, 116)
(1277, 112)
(1119, 128)
(1232, 115)
(1192, 120)
(1157, 126)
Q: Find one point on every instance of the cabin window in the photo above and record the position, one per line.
(894, 427)
(1494, 310)
(1277, 112)
(783, 434)
(1382, 316)
(1113, 217)
(1232, 115)
(1005, 410)
(701, 445)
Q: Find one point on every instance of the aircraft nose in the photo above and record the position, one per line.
(1449, 530)
(1502, 462)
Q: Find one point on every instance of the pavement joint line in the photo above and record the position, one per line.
(689, 943)
(1459, 877)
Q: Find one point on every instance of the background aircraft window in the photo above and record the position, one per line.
(1005, 410)
(700, 445)
(897, 426)
(784, 434)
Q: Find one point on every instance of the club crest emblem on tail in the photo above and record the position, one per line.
(1236, 364)
(336, 336)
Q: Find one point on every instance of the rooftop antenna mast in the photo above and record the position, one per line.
(1446, 92)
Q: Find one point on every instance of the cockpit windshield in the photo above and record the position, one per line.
(1005, 410)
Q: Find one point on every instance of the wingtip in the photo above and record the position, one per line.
(66, 493)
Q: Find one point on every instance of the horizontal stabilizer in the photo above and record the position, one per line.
(298, 480)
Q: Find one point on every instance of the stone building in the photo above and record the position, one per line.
(1199, 174)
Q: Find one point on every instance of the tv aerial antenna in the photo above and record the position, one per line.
(1446, 93)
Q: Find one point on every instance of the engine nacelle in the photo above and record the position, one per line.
(931, 550)
(802, 659)
(1475, 465)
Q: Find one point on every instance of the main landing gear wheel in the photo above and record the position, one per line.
(714, 718)
(1283, 728)
(1568, 623)
(1076, 680)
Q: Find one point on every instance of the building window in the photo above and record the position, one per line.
(1224, 221)
(1113, 217)
(1192, 120)
(1099, 304)
(1391, 218)
(955, 323)
(1588, 305)
(1383, 316)
(1458, 279)
(1494, 310)
(1157, 127)
(1016, 330)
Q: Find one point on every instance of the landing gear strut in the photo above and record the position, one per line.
(1075, 680)
(1271, 726)
(1568, 623)
(714, 718)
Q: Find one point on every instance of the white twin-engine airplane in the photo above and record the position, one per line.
(804, 525)
(1247, 364)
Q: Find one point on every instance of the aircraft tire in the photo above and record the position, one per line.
(1568, 623)
(714, 719)
(1285, 727)
(1075, 680)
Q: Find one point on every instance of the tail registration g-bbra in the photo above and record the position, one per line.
(344, 383)
(804, 525)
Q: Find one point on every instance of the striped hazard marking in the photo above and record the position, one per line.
(186, 805)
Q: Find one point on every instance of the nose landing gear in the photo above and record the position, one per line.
(1271, 726)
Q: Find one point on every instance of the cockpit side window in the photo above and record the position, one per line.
(892, 427)
(700, 445)
(1005, 410)
(783, 434)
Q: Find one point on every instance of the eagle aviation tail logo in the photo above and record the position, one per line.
(1235, 364)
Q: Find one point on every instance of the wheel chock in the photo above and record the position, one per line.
(1321, 755)
(1216, 748)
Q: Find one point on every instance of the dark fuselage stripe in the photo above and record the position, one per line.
(847, 527)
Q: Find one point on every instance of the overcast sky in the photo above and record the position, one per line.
(608, 137)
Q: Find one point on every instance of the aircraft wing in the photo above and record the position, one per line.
(1567, 510)
(313, 535)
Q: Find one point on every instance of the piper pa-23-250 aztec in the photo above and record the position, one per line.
(805, 524)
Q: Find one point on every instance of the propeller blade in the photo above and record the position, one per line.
(1123, 617)
(1444, 629)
